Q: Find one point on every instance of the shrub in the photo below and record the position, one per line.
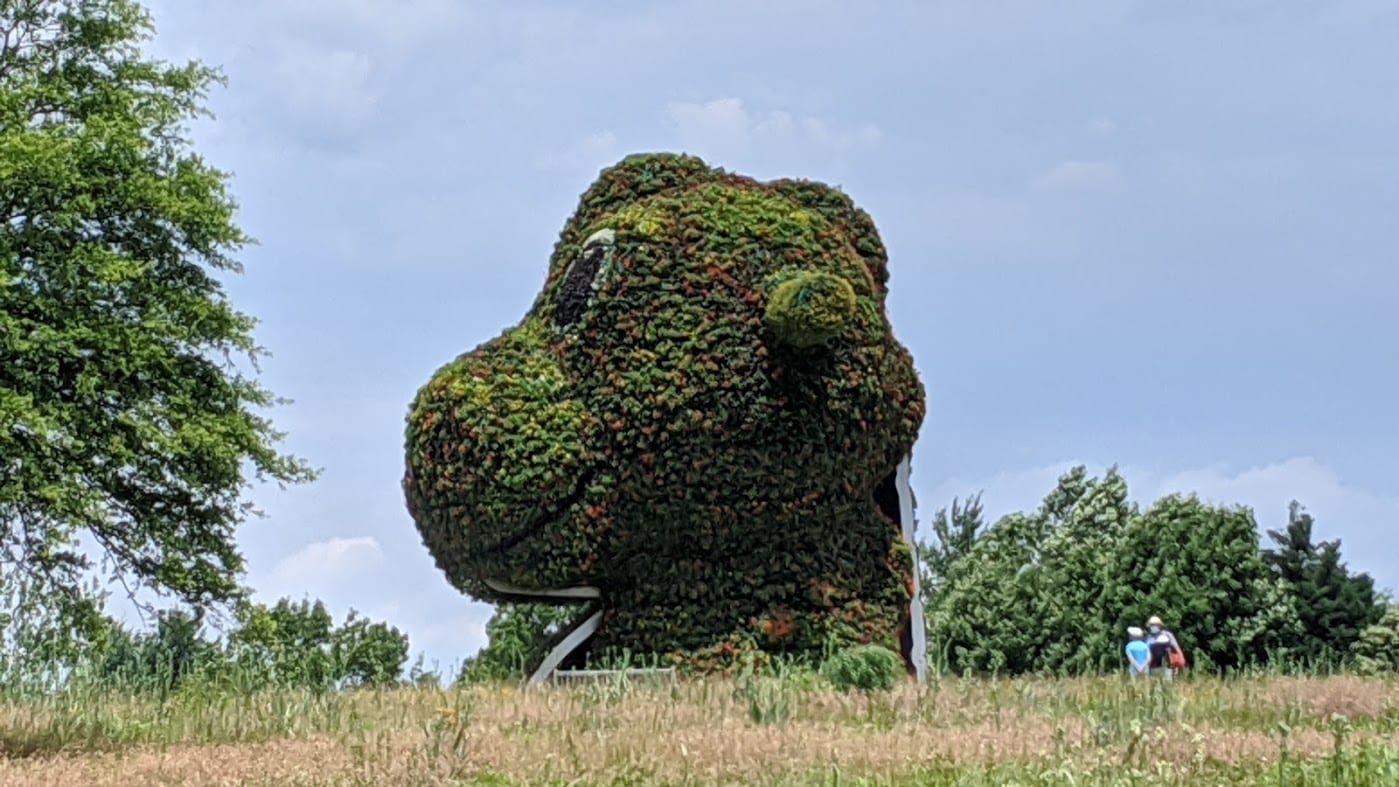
(868, 668)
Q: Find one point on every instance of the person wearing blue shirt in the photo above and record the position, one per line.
(1138, 653)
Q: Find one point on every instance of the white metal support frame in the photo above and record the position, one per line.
(576, 637)
(919, 656)
(515, 590)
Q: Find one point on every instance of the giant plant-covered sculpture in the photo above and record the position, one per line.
(699, 418)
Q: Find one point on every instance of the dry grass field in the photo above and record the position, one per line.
(789, 730)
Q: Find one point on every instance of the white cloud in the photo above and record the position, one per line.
(447, 638)
(1003, 493)
(1363, 520)
(1078, 176)
(725, 126)
(321, 565)
(721, 122)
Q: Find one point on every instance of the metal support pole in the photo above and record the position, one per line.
(906, 516)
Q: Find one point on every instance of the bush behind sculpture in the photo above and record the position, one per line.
(694, 417)
(867, 668)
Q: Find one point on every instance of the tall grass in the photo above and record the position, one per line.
(778, 727)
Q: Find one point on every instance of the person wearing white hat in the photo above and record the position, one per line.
(1163, 646)
(1138, 653)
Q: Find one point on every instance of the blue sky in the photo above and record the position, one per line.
(1153, 234)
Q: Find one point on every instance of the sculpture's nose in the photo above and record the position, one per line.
(494, 454)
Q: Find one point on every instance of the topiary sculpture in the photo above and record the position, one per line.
(699, 419)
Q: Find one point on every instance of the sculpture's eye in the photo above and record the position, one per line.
(581, 281)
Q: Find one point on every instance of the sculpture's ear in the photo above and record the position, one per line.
(807, 308)
(841, 211)
(634, 178)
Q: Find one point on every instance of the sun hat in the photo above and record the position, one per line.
(1134, 631)
(1154, 621)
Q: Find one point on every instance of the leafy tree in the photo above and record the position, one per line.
(123, 412)
(289, 643)
(293, 644)
(1086, 520)
(1199, 568)
(1052, 590)
(1029, 595)
(1334, 606)
(368, 653)
(984, 617)
(298, 644)
(1377, 650)
(41, 635)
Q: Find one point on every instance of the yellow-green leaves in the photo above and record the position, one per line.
(809, 308)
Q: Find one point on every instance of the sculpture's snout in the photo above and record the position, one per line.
(497, 456)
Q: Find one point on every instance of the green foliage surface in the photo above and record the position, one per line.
(954, 535)
(1029, 593)
(692, 417)
(123, 414)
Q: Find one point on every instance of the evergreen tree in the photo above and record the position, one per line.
(955, 535)
(1334, 606)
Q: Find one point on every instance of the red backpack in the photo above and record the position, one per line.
(1177, 658)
